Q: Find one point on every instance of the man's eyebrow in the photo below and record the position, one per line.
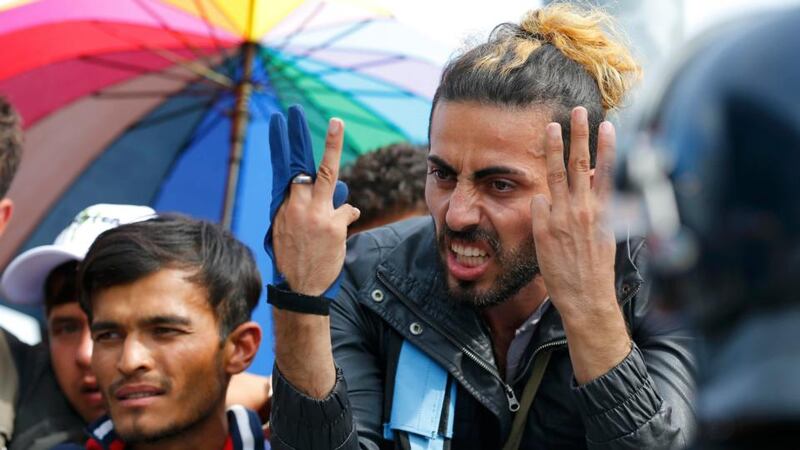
(441, 163)
(104, 325)
(145, 322)
(495, 170)
(59, 320)
(165, 320)
(479, 174)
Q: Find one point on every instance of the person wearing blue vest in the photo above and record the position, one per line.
(510, 318)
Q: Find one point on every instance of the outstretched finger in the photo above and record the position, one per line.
(329, 167)
(556, 174)
(579, 167)
(606, 154)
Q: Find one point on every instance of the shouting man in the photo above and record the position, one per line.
(510, 318)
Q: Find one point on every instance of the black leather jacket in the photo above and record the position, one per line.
(394, 282)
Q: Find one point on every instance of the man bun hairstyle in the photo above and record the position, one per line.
(220, 263)
(558, 57)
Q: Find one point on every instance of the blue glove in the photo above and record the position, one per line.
(292, 154)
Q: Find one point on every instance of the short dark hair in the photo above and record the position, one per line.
(10, 144)
(558, 57)
(387, 181)
(61, 285)
(223, 266)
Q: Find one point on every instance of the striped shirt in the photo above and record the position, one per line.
(244, 432)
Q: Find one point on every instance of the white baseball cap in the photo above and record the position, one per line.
(24, 278)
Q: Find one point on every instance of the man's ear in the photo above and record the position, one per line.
(241, 347)
(6, 209)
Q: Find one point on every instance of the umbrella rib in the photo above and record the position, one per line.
(299, 50)
(192, 66)
(333, 39)
(300, 28)
(333, 70)
(352, 118)
(191, 139)
(150, 94)
(360, 92)
(197, 135)
(384, 122)
(366, 64)
(93, 59)
(227, 62)
(260, 108)
(225, 15)
(324, 112)
(167, 116)
(400, 93)
(211, 30)
(228, 66)
(175, 33)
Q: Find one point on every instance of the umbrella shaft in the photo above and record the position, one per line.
(238, 131)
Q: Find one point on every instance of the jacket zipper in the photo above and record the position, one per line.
(546, 345)
(564, 341)
(511, 397)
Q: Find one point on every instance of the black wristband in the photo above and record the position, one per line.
(292, 301)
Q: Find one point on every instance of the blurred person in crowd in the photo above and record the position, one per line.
(387, 185)
(169, 302)
(57, 373)
(10, 155)
(717, 168)
(510, 318)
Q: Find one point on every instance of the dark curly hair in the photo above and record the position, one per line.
(10, 144)
(387, 183)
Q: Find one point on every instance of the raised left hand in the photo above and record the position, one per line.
(576, 247)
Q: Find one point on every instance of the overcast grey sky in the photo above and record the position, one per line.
(450, 21)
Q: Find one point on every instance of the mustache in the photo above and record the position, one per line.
(162, 383)
(473, 234)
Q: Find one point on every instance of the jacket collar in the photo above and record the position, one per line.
(414, 271)
(409, 269)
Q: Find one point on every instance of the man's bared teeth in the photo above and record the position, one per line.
(462, 250)
(471, 261)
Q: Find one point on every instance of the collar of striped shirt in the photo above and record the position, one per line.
(244, 432)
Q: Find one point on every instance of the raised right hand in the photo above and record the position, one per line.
(308, 234)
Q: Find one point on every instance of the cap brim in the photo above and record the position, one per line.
(24, 278)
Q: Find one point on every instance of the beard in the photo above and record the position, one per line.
(202, 403)
(517, 267)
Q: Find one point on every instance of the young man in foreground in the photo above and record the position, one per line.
(169, 302)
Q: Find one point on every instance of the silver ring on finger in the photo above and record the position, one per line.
(302, 179)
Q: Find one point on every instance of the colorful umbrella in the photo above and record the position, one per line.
(167, 102)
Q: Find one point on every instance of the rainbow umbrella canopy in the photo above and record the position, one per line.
(167, 102)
